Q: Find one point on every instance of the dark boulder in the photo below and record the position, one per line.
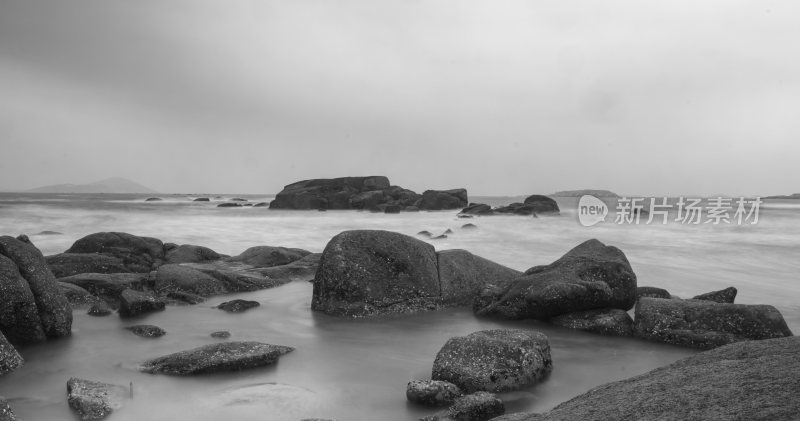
(224, 356)
(332, 193)
(541, 204)
(499, 360)
(202, 199)
(463, 275)
(590, 276)
(68, 264)
(754, 380)
(268, 256)
(107, 286)
(229, 205)
(188, 253)
(238, 306)
(179, 278)
(516, 209)
(135, 303)
(238, 199)
(6, 413)
(432, 392)
(727, 295)
(138, 254)
(425, 234)
(93, 400)
(443, 199)
(10, 359)
(606, 321)
(30, 277)
(153, 199)
(479, 406)
(477, 209)
(652, 292)
(222, 334)
(706, 324)
(371, 272)
(146, 331)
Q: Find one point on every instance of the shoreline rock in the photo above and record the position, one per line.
(224, 356)
(92, 400)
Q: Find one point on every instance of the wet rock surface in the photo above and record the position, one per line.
(146, 331)
(224, 356)
(727, 295)
(752, 380)
(498, 360)
(652, 292)
(614, 322)
(10, 359)
(238, 306)
(590, 276)
(463, 275)
(6, 413)
(136, 303)
(432, 392)
(479, 406)
(706, 324)
(93, 400)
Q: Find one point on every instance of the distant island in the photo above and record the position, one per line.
(579, 193)
(789, 196)
(109, 185)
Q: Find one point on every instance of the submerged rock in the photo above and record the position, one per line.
(706, 324)
(366, 272)
(229, 205)
(93, 400)
(225, 356)
(590, 276)
(146, 331)
(32, 306)
(727, 295)
(432, 392)
(238, 306)
(135, 303)
(99, 309)
(6, 413)
(202, 199)
(479, 406)
(754, 380)
(222, 334)
(499, 360)
(153, 199)
(10, 359)
(606, 321)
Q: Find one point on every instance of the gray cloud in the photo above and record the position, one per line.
(502, 98)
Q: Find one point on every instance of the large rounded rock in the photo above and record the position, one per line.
(706, 324)
(499, 360)
(590, 276)
(226, 356)
(443, 199)
(463, 275)
(19, 317)
(54, 311)
(332, 193)
(138, 254)
(754, 380)
(612, 321)
(477, 209)
(10, 359)
(268, 256)
(541, 204)
(372, 272)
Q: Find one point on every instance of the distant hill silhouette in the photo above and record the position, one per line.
(109, 185)
(579, 193)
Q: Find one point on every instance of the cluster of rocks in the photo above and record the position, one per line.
(366, 272)
(533, 205)
(469, 370)
(592, 288)
(134, 275)
(373, 193)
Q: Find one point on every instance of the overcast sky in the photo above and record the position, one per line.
(500, 97)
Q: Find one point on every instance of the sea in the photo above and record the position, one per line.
(357, 369)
